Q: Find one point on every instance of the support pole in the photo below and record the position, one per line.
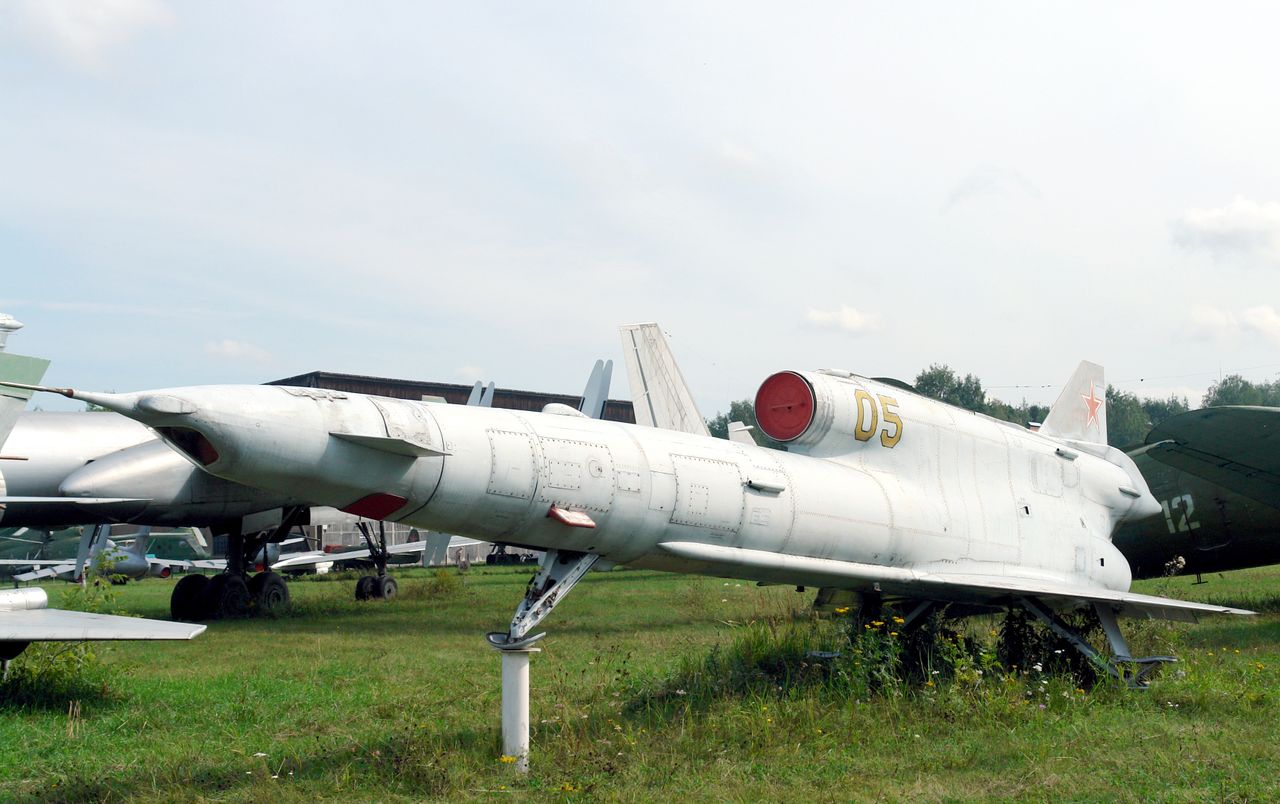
(515, 706)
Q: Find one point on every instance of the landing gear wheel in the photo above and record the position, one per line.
(226, 597)
(184, 602)
(384, 588)
(269, 592)
(364, 587)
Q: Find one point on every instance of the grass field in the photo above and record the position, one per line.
(400, 701)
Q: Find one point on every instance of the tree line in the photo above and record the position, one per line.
(1129, 417)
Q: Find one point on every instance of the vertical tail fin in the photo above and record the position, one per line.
(141, 542)
(596, 393)
(1080, 414)
(658, 389)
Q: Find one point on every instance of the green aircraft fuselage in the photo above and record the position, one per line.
(1209, 527)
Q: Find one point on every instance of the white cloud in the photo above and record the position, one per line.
(1243, 227)
(239, 351)
(848, 319)
(1213, 323)
(989, 180)
(1217, 324)
(1262, 320)
(84, 32)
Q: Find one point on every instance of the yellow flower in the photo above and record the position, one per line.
(899, 620)
(842, 610)
(929, 683)
(877, 623)
(506, 760)
(893, 633)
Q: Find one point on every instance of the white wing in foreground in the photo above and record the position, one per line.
(952, 587)
(56, 625)
(24, 618)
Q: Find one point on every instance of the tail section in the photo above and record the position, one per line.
(22, 370)
(1080, 414)
(658, 389)
(141, 542)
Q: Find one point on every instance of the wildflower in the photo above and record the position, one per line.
(877, 623)
(1037, 667)
(681, 692)
(842, 610)
(1210, 653)
(899, 620)
(929, 683)
(1259, 665)
(568, 788)
(893, 633)
(1042, 706)
(506, 759)
(259, 754)
(934, 672)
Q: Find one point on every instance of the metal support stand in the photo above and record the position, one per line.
(1146, 665)
(90, 540)
(515, 705)
(557, 573)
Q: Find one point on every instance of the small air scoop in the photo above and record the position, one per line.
(192, 442)
(784, 406)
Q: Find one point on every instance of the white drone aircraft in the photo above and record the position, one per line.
(882, 492)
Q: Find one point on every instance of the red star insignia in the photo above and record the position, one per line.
(1094, 404)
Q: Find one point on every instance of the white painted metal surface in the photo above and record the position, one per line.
(515, 705)
(881, 477)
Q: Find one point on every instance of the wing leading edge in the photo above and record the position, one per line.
(957, 587)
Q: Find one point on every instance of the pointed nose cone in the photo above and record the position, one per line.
(146, 407)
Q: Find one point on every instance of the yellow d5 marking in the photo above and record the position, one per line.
(870, 412)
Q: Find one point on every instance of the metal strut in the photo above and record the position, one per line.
(243, 547)
(1146, 665)
(557, 573)
(378, 549)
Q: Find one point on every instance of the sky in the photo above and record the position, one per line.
(197, 193)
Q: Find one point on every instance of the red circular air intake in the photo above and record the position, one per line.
(784, 406)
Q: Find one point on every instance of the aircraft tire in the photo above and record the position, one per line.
(185, 601)
(385, 588)
(235, 598)
(270, 592)
(364, 587)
